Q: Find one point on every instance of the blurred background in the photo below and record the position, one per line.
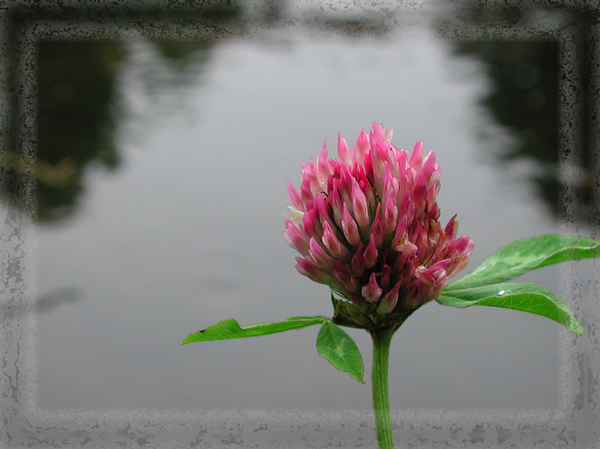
(161, 177)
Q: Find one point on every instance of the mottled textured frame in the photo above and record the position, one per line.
(574, 424)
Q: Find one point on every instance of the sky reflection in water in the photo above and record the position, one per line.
(188, 230)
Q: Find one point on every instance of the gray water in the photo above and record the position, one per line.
(188, 231)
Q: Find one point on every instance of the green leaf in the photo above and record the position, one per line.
(339, 349)
(229, 328)
(526, 297)
(524, 255)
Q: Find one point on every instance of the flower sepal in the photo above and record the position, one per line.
(350, 314)
(346, 313)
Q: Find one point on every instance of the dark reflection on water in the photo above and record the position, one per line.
(79, 111)
(523, 95)
(524, 99)
(57, 297)
(76, 120)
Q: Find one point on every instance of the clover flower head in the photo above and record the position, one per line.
(367, 225)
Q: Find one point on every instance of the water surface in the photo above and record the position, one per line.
(186, 229)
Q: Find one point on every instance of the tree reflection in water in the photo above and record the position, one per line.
(524, 100)
(79, 110)
(79, 113)
(76, 119)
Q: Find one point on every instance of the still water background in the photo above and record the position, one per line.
(176, 221)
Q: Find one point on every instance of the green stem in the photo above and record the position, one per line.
(381, 401)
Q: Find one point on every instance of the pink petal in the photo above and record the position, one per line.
(344, 153)
(331, 242)
(389, 300)
(372, 292)
(416, 159)
(360, 206)
(349, 227)
(370, 254)
(361, 147)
